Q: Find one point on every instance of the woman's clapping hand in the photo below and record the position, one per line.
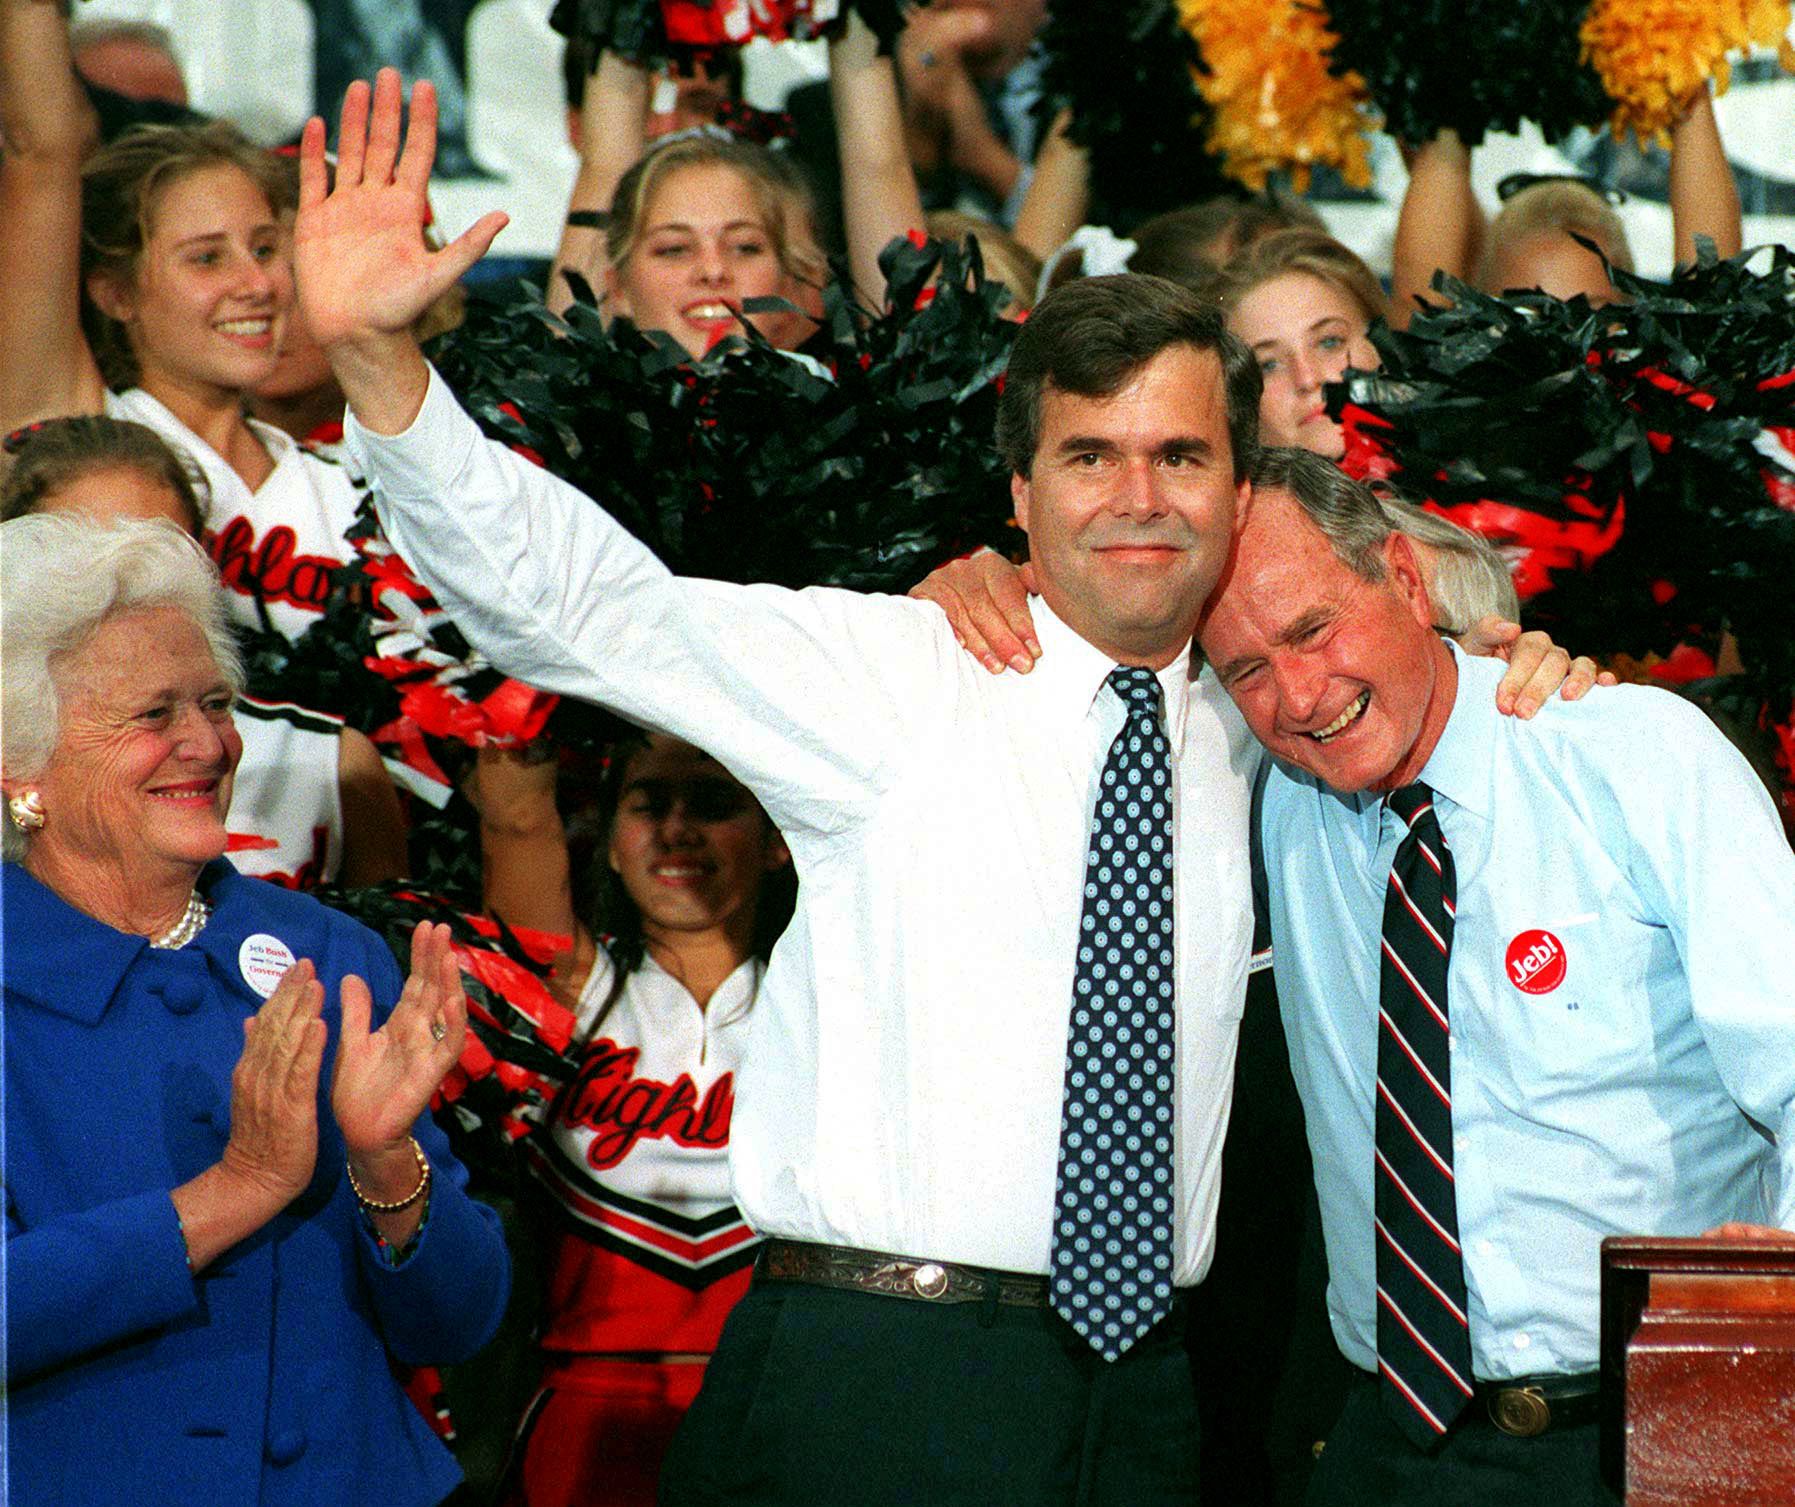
(274, 1092)
(384, 1079)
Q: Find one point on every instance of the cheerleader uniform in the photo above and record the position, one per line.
(286, 817)
(279, 541)
(652, 1253)
(277, 545)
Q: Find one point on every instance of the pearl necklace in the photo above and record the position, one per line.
(193, 920)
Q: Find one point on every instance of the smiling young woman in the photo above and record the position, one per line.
(648, 1253)
(184, 266)
(699, 227)
(151, 278)
(700, 222)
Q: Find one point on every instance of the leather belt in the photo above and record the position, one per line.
(895, 1276)
(1527, 1406)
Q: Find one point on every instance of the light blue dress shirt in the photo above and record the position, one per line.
(1622, 1000)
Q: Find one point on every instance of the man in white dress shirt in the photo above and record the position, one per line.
(897, 1133)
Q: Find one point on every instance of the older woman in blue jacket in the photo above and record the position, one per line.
(225, 1204)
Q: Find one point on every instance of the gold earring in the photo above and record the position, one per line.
(27, 811)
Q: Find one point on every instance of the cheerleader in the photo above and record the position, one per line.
(151, 280)
(649, 1254)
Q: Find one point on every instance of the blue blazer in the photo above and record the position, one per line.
(265, 1378)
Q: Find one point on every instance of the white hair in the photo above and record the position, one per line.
(62, 576)
(1469, 580)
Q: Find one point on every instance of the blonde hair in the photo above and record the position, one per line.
(1312, 252)
(780, 192)
(121, 186)
(1559, 205)
(1007, 260)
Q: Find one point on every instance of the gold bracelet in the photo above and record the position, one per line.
(373, 1206)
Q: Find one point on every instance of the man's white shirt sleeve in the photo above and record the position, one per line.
(808, 696)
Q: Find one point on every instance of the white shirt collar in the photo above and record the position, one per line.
(1072, 672)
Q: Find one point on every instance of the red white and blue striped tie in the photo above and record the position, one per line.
(1423, 1338)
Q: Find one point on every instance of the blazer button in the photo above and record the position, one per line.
(182, 994)
(200, 1097)
(286, 1446)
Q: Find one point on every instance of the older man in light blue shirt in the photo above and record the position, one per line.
(1622, 1013)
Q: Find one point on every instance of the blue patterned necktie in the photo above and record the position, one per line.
(1112, 1239)
(1423, 1337)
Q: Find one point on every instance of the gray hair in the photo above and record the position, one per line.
(1346, 511)
(1469, 580)
(62, 576)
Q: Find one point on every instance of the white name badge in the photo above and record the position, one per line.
(264, 960)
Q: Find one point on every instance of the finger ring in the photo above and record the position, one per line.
(927, 58)
(438, 1030)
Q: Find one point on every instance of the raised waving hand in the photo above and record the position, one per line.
(363, 268)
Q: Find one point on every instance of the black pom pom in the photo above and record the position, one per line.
(1124, 69)
(1472, 66)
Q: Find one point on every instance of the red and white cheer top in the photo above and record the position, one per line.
(280, 540)
(637, 1158)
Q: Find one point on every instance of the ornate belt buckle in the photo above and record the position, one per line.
(1522, 1412)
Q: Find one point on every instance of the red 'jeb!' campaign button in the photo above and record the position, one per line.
(1536, 962)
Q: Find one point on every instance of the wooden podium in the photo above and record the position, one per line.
(1698, 1372)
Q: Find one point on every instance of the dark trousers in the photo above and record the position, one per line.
(1368, 1463)
(1270, 1379)
(817, 1396)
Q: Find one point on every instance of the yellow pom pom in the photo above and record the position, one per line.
(1653, 56)
(1275, 104)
